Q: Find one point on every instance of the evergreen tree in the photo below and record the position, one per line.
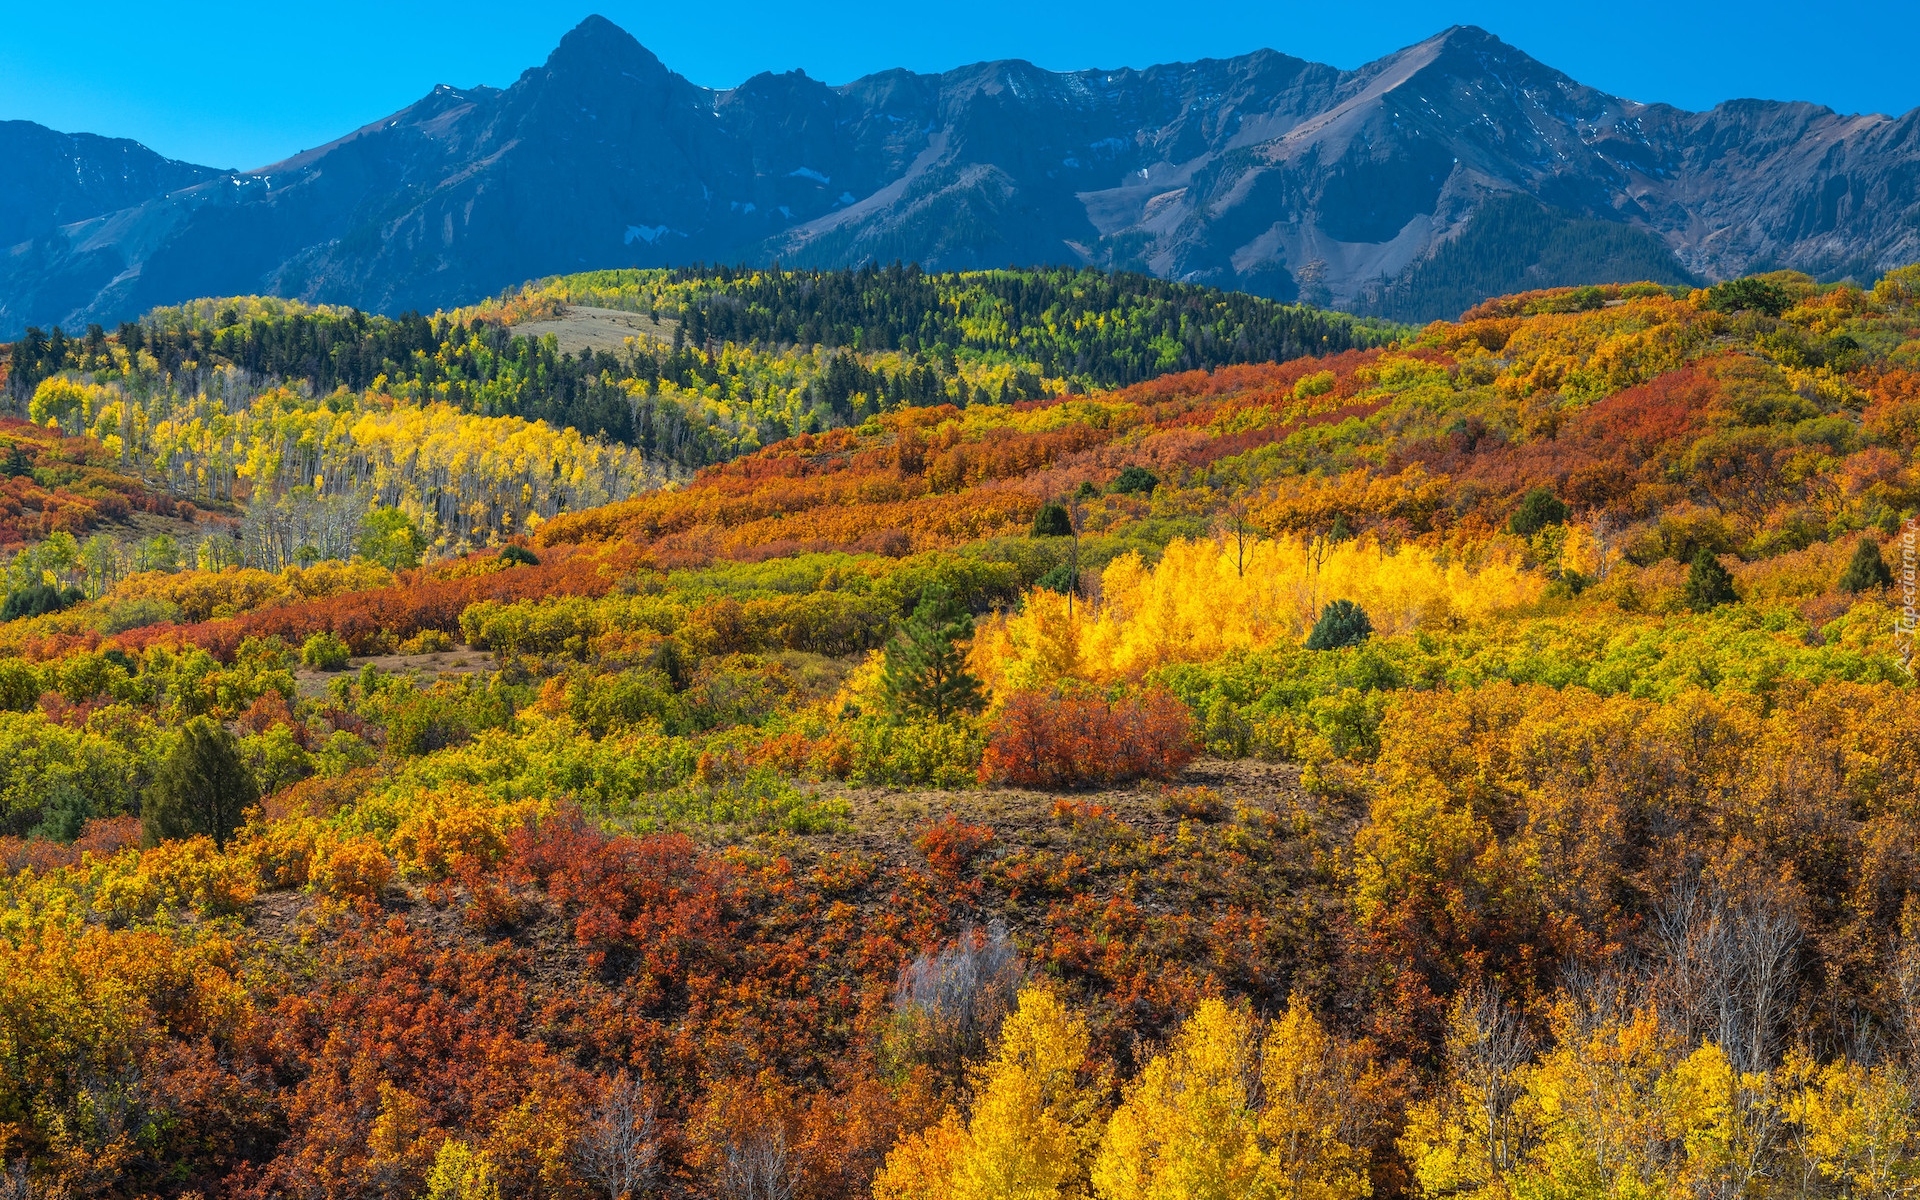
(1538, 509)
(1867, 570)
(1052, 521)
(1341, 623)
(1708, 584)
(202, 787)
(925, 672)
(1062, 579)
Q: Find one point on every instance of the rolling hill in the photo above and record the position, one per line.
(1260, 765)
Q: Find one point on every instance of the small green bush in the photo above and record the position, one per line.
(1061, 579)
(1756, 295)
(325, 652)
(1134, 479)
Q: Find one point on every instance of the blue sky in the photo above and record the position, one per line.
(240, 85)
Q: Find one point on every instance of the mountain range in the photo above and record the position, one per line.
(1411, 187)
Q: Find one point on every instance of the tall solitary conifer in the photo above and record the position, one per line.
(202, 787)
(925, 673)
(1867, 570)
(1708, 584)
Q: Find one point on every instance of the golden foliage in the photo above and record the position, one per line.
(1202, 600)
(1189, 1127)
(1032, 1125)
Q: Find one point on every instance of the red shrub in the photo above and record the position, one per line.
(369, 621)
(951, 845)
(108, 835)
(1046, 739)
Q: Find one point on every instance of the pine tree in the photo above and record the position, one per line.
(202, 787)
(1867, 570)
(1708, 584)
(925, 672)
(1341, 623)
(1052, 521)
(1538, 509)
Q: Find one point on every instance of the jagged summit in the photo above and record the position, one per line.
(1456, 168)
(597, 44)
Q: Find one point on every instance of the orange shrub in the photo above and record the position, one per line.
(1050, 739)
(284, 852)
(351, 870)
(951, 844)
(450, 829)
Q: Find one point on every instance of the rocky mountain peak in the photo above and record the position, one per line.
(1456, 168)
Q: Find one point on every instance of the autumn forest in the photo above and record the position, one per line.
(816, 735)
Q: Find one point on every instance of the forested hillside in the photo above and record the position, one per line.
(1475, 765)
(744, 357)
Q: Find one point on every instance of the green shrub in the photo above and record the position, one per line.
(1062, 579)
(1757, 295)
(52, 778)
(389, 537)
(325, 652)
(20, 685)
(943, 754)
(1134, 479)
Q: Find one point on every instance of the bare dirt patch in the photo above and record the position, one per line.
(421, 668)
(885, 821)
(580, 327)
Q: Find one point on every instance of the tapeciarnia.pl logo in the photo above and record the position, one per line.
(1904, 623)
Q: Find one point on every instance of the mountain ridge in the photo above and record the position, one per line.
(1262, 172)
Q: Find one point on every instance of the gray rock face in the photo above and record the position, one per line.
(1452, 170)
(52, 178)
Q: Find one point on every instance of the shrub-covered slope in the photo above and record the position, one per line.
(1508, 724)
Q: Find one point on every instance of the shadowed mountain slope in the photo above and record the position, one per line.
(1454, 169)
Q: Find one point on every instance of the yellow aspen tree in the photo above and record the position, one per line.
(461, 1173)
(1725, 1121)
(1188, 1129)
(1470, 1136)
(1033, 1119)
(1313, 1116)
(1852, 1125)
(1037, 647)
(1604, 1129)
